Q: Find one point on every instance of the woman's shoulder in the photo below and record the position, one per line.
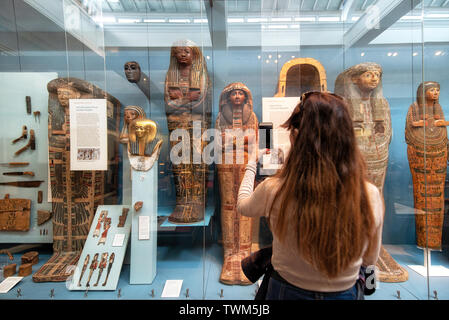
(375, 201)
(270, 184)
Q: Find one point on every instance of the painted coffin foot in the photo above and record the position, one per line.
(187, 213)
(389, 269)
(231, 272)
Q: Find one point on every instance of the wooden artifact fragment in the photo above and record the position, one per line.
(14, 164)
(187, 97)
(9, 270)
(43, 216)
(122, 218)
(30, 257)
(75, 194)
(25, 269)
(236, 112)
(14, 214)
(19, 173)
(23, 136)
(28, 104)
(138, 205)
(23, 184)
(40, 196)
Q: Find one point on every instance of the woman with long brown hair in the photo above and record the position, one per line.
(325, 217)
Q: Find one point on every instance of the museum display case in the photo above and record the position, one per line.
(121, 123)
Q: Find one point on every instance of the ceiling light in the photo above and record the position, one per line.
(294, 26)
(415, 54)
(329, 19)
(437, 15)
(389, 54)
(355, 18)
(395, 54)
(154, 20)
(270, 56)
(279, 56)
(259, 57)
(278, 26)
(293, 57)
(257, 20)
(411, 18)
(281, 19)
(105, 19)
(267, 61)
(113, 1)
(236, 20)
(306, 19)
(199, 20)
(128, 20)
(438, 53)
(362, 54)
(179, 20)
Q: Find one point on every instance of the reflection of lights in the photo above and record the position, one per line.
(281, 19)
(104, 19)
(179, 20)
(154, 20)
(293, 57)
(437, 15)
(279, 56)
(305, 19)
(236, 20)
(257, 20)
(277, 26)
(362, 54)
(207, 57)
(329, 19)
(113, 1)
(294, 26)
(415, 54)
(258, 57)
(355, 18)
(411, 18)
(395, 54)
(276, 61)
(128, 20)
(438, 53)
(267, 61)
(270, 56)
(199, 20)
(389, 54)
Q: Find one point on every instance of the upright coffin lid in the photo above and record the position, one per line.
(301, 75)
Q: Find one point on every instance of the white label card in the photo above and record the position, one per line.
(119, 239)
(144, 227)
(172, 289)
(9, 283)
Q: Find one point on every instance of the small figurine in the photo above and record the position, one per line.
(103, 263)
(122, 218)
(101, 218)
(111, 262)
(104, 235)
(138, 205)
(93, 267)
(86, 262)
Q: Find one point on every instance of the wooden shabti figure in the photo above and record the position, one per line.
(187, 102)
(361, 86)
(235, 114)
(75, 194)
(131, 113)
(426, 137)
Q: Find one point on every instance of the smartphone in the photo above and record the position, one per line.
(266, 135)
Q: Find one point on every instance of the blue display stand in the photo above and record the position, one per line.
(144, 223)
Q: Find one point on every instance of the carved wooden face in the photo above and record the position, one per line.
(237, 97)
(184, 55)
(132, 71)
(433, 94)
(65, 94)
(130, 115)
(368, 80)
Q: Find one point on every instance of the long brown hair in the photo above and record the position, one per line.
(323, 179)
